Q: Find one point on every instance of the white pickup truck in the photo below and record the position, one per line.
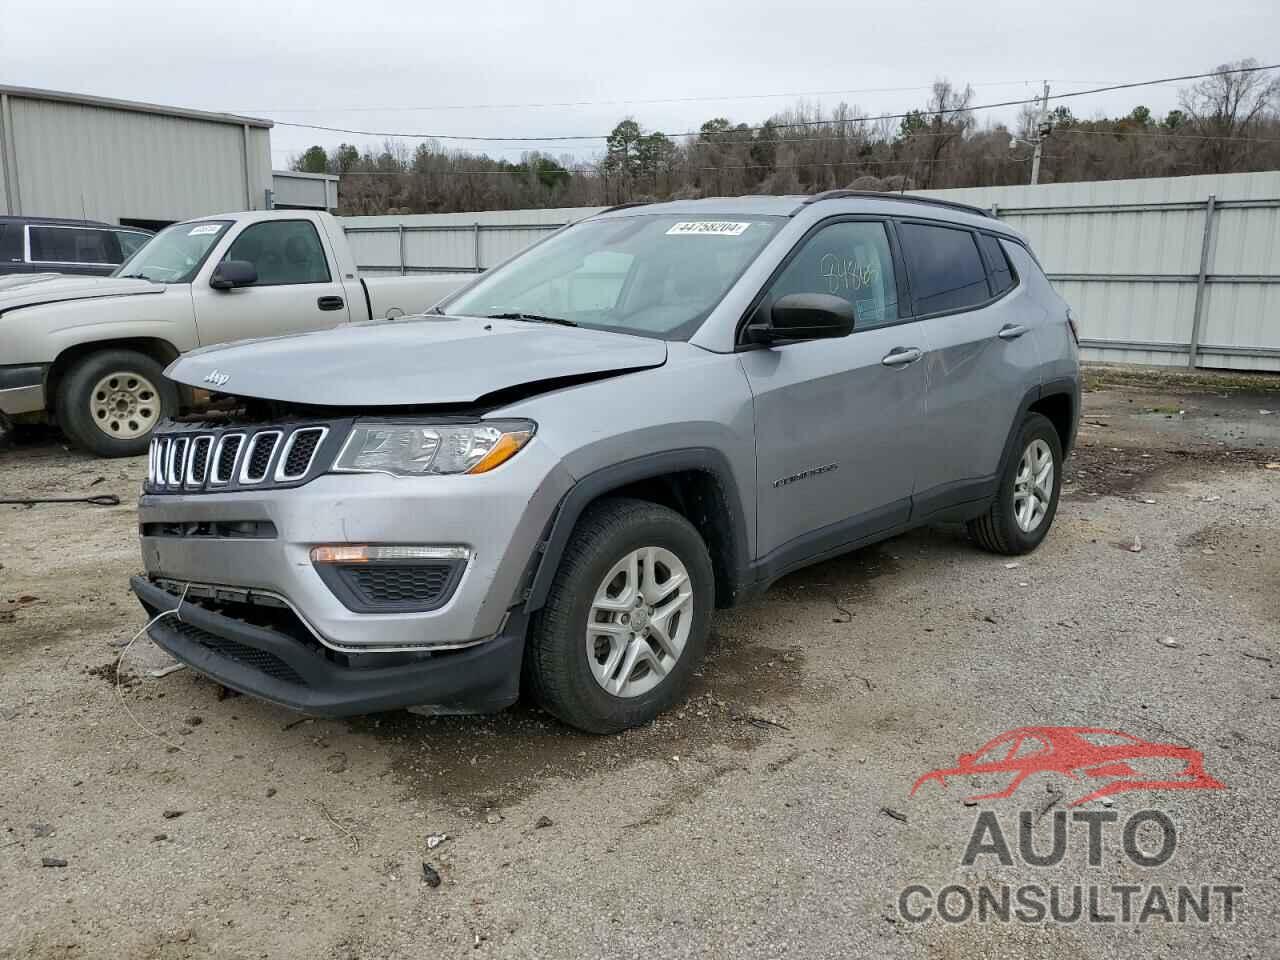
(89, 352)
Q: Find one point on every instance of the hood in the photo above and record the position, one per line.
(33, 289)
(413, 361)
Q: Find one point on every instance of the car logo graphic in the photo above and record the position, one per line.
(217, 378)
(1085, 754)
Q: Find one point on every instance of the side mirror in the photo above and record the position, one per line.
(233, 273)
(803, 316)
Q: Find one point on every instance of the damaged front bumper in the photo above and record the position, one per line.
(286, 668)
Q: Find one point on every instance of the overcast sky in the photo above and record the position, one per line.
(335, 63)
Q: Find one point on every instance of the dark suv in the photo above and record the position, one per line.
(51, 245)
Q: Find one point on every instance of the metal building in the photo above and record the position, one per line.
(292, 190)
(70, 155)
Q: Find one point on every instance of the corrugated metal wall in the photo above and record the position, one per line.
(314, 191)
(67, 159)
(451, 242)
(1128, 255)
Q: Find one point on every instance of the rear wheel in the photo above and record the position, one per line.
(626, 621)
(1025, 504)
(109, 402)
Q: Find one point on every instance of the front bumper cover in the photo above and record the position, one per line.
(274, 666)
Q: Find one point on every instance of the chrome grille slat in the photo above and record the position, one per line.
(176, 461)
(282, 471)
(198, 467)
(218, 476)
(251, 451)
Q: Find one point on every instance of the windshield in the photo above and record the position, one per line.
(174, 254)
(657, 275)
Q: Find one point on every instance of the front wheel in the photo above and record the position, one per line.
(626, 621)
(1027, 500)
(110, 401)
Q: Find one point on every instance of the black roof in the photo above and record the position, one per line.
(63, 222)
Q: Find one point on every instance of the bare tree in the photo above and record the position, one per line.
(1229, 105)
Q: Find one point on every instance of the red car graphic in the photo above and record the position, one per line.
(1080, 752)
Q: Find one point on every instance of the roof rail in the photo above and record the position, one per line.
(623, 206)
(885, 195)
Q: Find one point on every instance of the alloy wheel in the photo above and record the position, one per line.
(639, 622)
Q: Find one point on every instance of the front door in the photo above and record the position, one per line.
(837, 420)
(295, 291)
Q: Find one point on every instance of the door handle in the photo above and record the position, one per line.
(901, 356)
(329, 303)
(1012, 331)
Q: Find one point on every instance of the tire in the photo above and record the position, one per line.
(110, 401)
(999, 529)
(561, 669)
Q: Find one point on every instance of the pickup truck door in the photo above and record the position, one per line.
(838, 420)
(297, 290)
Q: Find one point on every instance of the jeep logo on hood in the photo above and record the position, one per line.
(217, 378)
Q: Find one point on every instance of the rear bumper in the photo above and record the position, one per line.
(277, 667)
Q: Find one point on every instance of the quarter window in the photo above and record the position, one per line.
(944, 266)
(73, 245)
(997, 264)
(851, 260)
(282, 251)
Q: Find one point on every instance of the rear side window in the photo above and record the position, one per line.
(282, 251)
(944, 266)
(851, 260)
(997, 264)
(74, 245)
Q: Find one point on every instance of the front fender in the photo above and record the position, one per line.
(40, 333)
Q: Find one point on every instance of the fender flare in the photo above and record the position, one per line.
(1065, 386)
(616, 476)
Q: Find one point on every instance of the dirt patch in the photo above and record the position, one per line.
(1098, 469)
(107, 672)
(1242, 558)
(737, 699)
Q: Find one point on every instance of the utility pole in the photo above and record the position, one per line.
(1042, 132)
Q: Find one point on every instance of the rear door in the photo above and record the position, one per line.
(296, 290)
(980, 363)
(837, 420)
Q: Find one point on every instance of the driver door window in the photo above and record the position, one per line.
(283, 252)
(850, 260)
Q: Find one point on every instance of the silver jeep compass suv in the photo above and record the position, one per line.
(552, 478)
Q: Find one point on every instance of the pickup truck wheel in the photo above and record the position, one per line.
(109, 402)
(625, 623)
(1022, 512)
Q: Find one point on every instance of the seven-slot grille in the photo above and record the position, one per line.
(192, 459)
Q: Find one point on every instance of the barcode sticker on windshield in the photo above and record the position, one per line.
(203, 229)
(708, 228)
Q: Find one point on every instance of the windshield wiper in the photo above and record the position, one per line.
(135, 276)
(532, 318)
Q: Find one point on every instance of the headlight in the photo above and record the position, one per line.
(424, 449)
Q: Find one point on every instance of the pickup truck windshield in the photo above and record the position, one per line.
(656, 275)
(174, 254)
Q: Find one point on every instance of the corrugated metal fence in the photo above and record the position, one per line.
(1178, 270)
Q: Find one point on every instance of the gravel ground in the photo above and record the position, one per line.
(769, 816)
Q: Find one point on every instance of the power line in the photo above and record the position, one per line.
(562, 138)
(654, 100)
